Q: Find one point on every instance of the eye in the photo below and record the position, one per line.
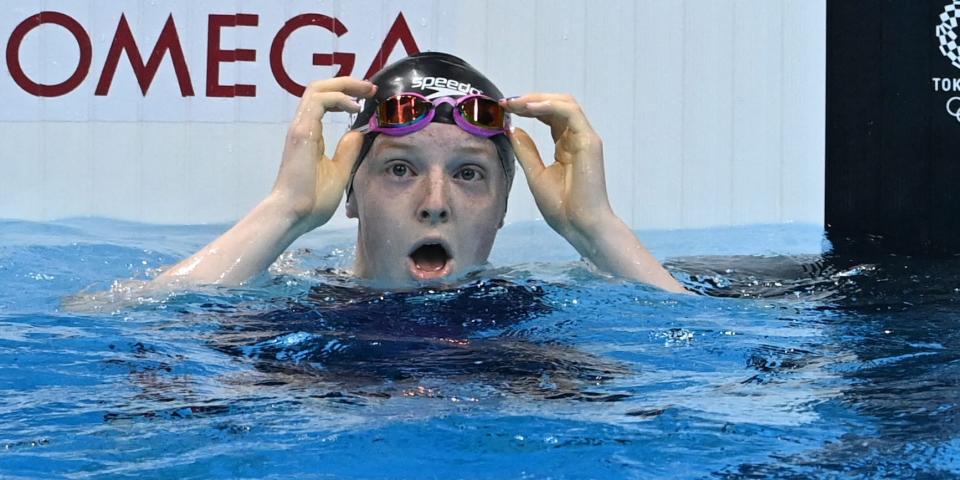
(399, 170)
(470, 174)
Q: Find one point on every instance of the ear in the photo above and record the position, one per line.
(351, 205)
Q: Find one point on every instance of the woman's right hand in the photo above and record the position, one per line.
(310, 183)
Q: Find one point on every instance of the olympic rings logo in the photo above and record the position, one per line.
(953, 107)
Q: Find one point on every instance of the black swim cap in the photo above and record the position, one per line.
(438, 74)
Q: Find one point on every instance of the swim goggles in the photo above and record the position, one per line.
(409, 112)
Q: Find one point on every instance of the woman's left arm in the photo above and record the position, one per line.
(571, 193)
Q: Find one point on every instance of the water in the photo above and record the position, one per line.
(789, 363)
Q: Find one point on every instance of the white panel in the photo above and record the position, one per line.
(166, 153)
(658, 116)
(166, 101)
(13, 97)
(560, 46)
(59, 57)
(270, 101)
(67, 176)
(445, 26)
(804, 98)
(21, 181)
(756, 112)
(123, 98)
(212, 171)
(261, 146)
(117, 162)
(558, 66)
(609, 61)
(470, 43)
(217, 109)
(513, 70)
(711, 111)
(707, 113)
(417, 15)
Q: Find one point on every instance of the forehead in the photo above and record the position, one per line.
(438, 140)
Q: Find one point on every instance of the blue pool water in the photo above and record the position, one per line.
(789, 364)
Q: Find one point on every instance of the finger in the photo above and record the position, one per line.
(315, 104)
(338, 102)
(527, 154)
(348, 153)
(518, 105)
(537, 97)
(348, 85)
(307, 124)
(558, 113)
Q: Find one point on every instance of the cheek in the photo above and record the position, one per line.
(376, 198)
(482, 215)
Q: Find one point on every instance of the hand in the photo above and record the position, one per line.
(309, 182)
(571, 193)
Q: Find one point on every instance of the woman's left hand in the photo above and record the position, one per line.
(571, 193)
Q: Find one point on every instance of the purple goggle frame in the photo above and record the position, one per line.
(406, 113)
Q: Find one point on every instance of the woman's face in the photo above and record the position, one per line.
(429, 205)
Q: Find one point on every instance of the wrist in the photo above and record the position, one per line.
(277, 210)
(598, 223)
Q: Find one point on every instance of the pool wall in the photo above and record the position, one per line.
(712, 113)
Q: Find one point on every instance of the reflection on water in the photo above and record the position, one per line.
(390, 343)
(896, 320)
(783, 366)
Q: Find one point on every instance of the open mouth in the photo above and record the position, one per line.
(430, 260)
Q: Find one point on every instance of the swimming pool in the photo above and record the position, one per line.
(792, 364)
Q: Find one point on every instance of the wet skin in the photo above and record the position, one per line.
(438, 186)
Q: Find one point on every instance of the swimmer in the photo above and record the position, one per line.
(426, 170)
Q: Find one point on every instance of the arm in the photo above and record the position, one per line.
(571, 193)
(307, 191)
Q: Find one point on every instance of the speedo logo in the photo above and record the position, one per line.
(444, 86)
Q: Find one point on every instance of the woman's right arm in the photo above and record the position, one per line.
(307, 192)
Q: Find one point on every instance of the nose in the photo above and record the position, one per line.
(435, 207)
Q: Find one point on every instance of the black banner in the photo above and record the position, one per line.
(893, 126)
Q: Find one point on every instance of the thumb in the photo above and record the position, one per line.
(347, 153)
(527, 154)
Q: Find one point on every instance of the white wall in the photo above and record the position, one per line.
(712, 112)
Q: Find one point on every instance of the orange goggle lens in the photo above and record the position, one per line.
(402, 110)
(482, 112)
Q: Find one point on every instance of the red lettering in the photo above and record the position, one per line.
(83, 65)
(399, 32)
(216, 56)
(169, 42)
(344, 60)
(123, 40)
